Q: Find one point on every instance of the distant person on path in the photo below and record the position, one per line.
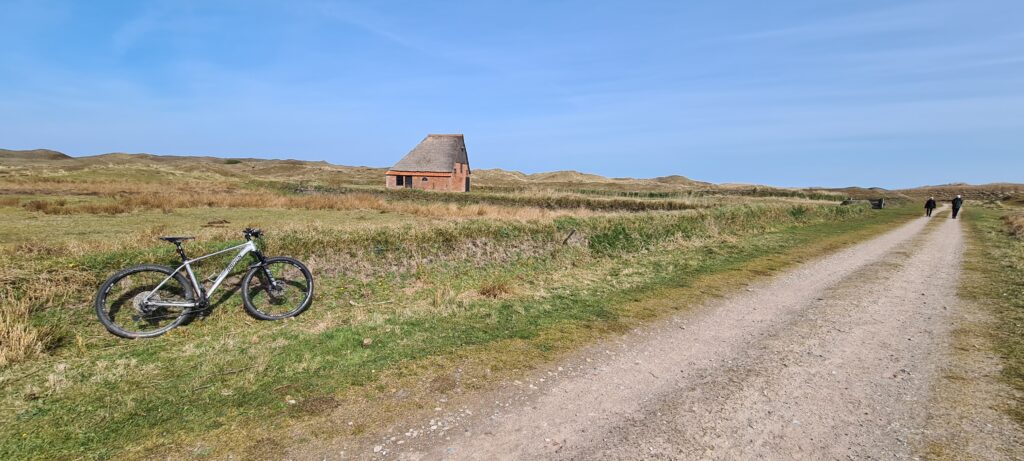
(929, 206)
(957, 203)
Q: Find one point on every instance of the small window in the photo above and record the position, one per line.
(398, 181)
(424, 179)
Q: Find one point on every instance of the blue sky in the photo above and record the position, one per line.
(793, 93)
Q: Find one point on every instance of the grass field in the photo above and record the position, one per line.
(995, 266)
(489, 283)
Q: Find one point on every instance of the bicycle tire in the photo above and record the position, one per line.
(102, 296)
(247, 293)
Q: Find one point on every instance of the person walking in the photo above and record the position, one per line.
(957, 203)
(929, 206)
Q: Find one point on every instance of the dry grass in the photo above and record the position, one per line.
(1015, 225)
(496, 288)
(18, 339)
(26, 288)
(44, 185)
(45, 206)
(168, 202)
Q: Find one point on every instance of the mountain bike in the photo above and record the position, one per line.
(149, 300)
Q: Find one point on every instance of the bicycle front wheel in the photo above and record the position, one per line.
(277, 289)
(131, 305)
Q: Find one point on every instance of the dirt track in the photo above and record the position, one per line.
(841, 358)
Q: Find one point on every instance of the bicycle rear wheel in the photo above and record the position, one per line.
(277, 289)
(125, 302)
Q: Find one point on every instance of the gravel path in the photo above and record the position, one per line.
(836, 359)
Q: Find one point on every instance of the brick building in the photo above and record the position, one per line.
(439, 162)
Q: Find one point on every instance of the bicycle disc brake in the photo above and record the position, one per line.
(277, 289)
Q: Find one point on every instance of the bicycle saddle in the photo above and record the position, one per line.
(176, 239)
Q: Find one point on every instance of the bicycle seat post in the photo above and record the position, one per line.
(177, 244)
(181, 251)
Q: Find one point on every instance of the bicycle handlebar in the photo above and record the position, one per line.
(251, 233)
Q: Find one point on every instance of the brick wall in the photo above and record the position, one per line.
(456, 182)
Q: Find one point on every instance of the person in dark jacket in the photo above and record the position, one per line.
(929, 206)
(957, 203)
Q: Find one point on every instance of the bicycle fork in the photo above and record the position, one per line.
(271, 282)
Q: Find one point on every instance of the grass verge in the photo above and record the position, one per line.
(995, 269)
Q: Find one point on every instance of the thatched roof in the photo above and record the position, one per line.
(436, 153)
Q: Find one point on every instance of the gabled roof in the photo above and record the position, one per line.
(436, 153)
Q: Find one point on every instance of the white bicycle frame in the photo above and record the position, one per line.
(205, 295)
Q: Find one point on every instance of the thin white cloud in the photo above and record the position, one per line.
(899, 18)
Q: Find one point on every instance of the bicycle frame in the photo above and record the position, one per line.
(204, 295)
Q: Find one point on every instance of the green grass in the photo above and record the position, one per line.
(225, 379)
(995, 267)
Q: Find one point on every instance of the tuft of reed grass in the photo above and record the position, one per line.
(497, 288)
(19, 340)
(1015, 225)
(47, 206)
